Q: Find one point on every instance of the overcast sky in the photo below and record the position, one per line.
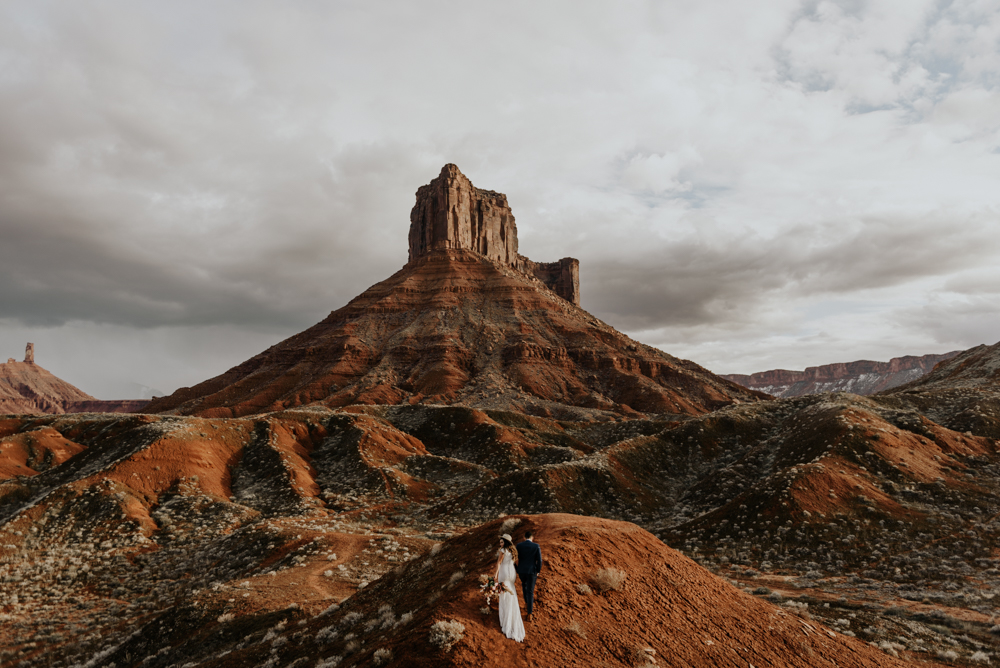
(747, 185)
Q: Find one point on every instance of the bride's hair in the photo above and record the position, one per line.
(509, 547)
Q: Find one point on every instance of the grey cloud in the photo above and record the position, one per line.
(189, 171)
(689, 283)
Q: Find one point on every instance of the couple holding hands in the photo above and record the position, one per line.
(523, 560)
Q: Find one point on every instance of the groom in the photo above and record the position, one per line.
(529, 563)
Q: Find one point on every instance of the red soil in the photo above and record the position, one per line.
(669, 604)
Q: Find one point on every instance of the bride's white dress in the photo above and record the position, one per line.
(510, 611)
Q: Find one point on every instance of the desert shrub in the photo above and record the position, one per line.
(509, 524)
(327, 634)
(228, 617)
(435, 549)
(334, 607)
(329, 663)
(890, 648)
(445, 634)
(607, 579)
(980, 657)
(800, 609)
(456, 576)
(575, 628)
(381, 656)
(947, 655)
(583, 589)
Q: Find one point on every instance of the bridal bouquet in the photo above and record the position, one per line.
(491, 588)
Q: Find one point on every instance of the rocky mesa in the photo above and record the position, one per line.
(468, 321)
(863, 377)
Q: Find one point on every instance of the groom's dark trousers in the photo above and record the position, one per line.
(529, 563)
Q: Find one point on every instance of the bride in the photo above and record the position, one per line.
(510, 610)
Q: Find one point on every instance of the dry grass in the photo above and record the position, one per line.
(584, 589)
(576, 628)
(509, 524)
(445, 634)
(608, 579)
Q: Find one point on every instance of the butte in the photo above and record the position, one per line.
(467, 321)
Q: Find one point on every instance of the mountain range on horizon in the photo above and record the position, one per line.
(862, 377)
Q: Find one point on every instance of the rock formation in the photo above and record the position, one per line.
(452, 213)
(467, 321)
(26, 387)
(863, 377)
(977, 367)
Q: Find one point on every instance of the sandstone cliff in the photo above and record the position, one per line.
(863, 377)
(466, 321)
(452, 213)
(977, 367)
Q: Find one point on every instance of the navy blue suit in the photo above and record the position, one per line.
(529, 564)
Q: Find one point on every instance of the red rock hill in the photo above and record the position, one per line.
(469, 321)
(25, 387)
(863, 377)
(668, 611)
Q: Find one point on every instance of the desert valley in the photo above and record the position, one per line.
(334, 500)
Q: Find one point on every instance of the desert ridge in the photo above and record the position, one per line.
(658, 609)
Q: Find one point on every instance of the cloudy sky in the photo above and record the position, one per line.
(748, 185)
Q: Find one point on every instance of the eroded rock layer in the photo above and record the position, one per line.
(972, 368)
(452, 213)
(453, 327)
(467, 321)
(863, 377)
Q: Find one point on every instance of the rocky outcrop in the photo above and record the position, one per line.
(465, 325)
(25, 387)
(451, 213)
(863, 377)
(562, 277)
(977, 367)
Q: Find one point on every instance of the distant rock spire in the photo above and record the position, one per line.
(29, 353)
